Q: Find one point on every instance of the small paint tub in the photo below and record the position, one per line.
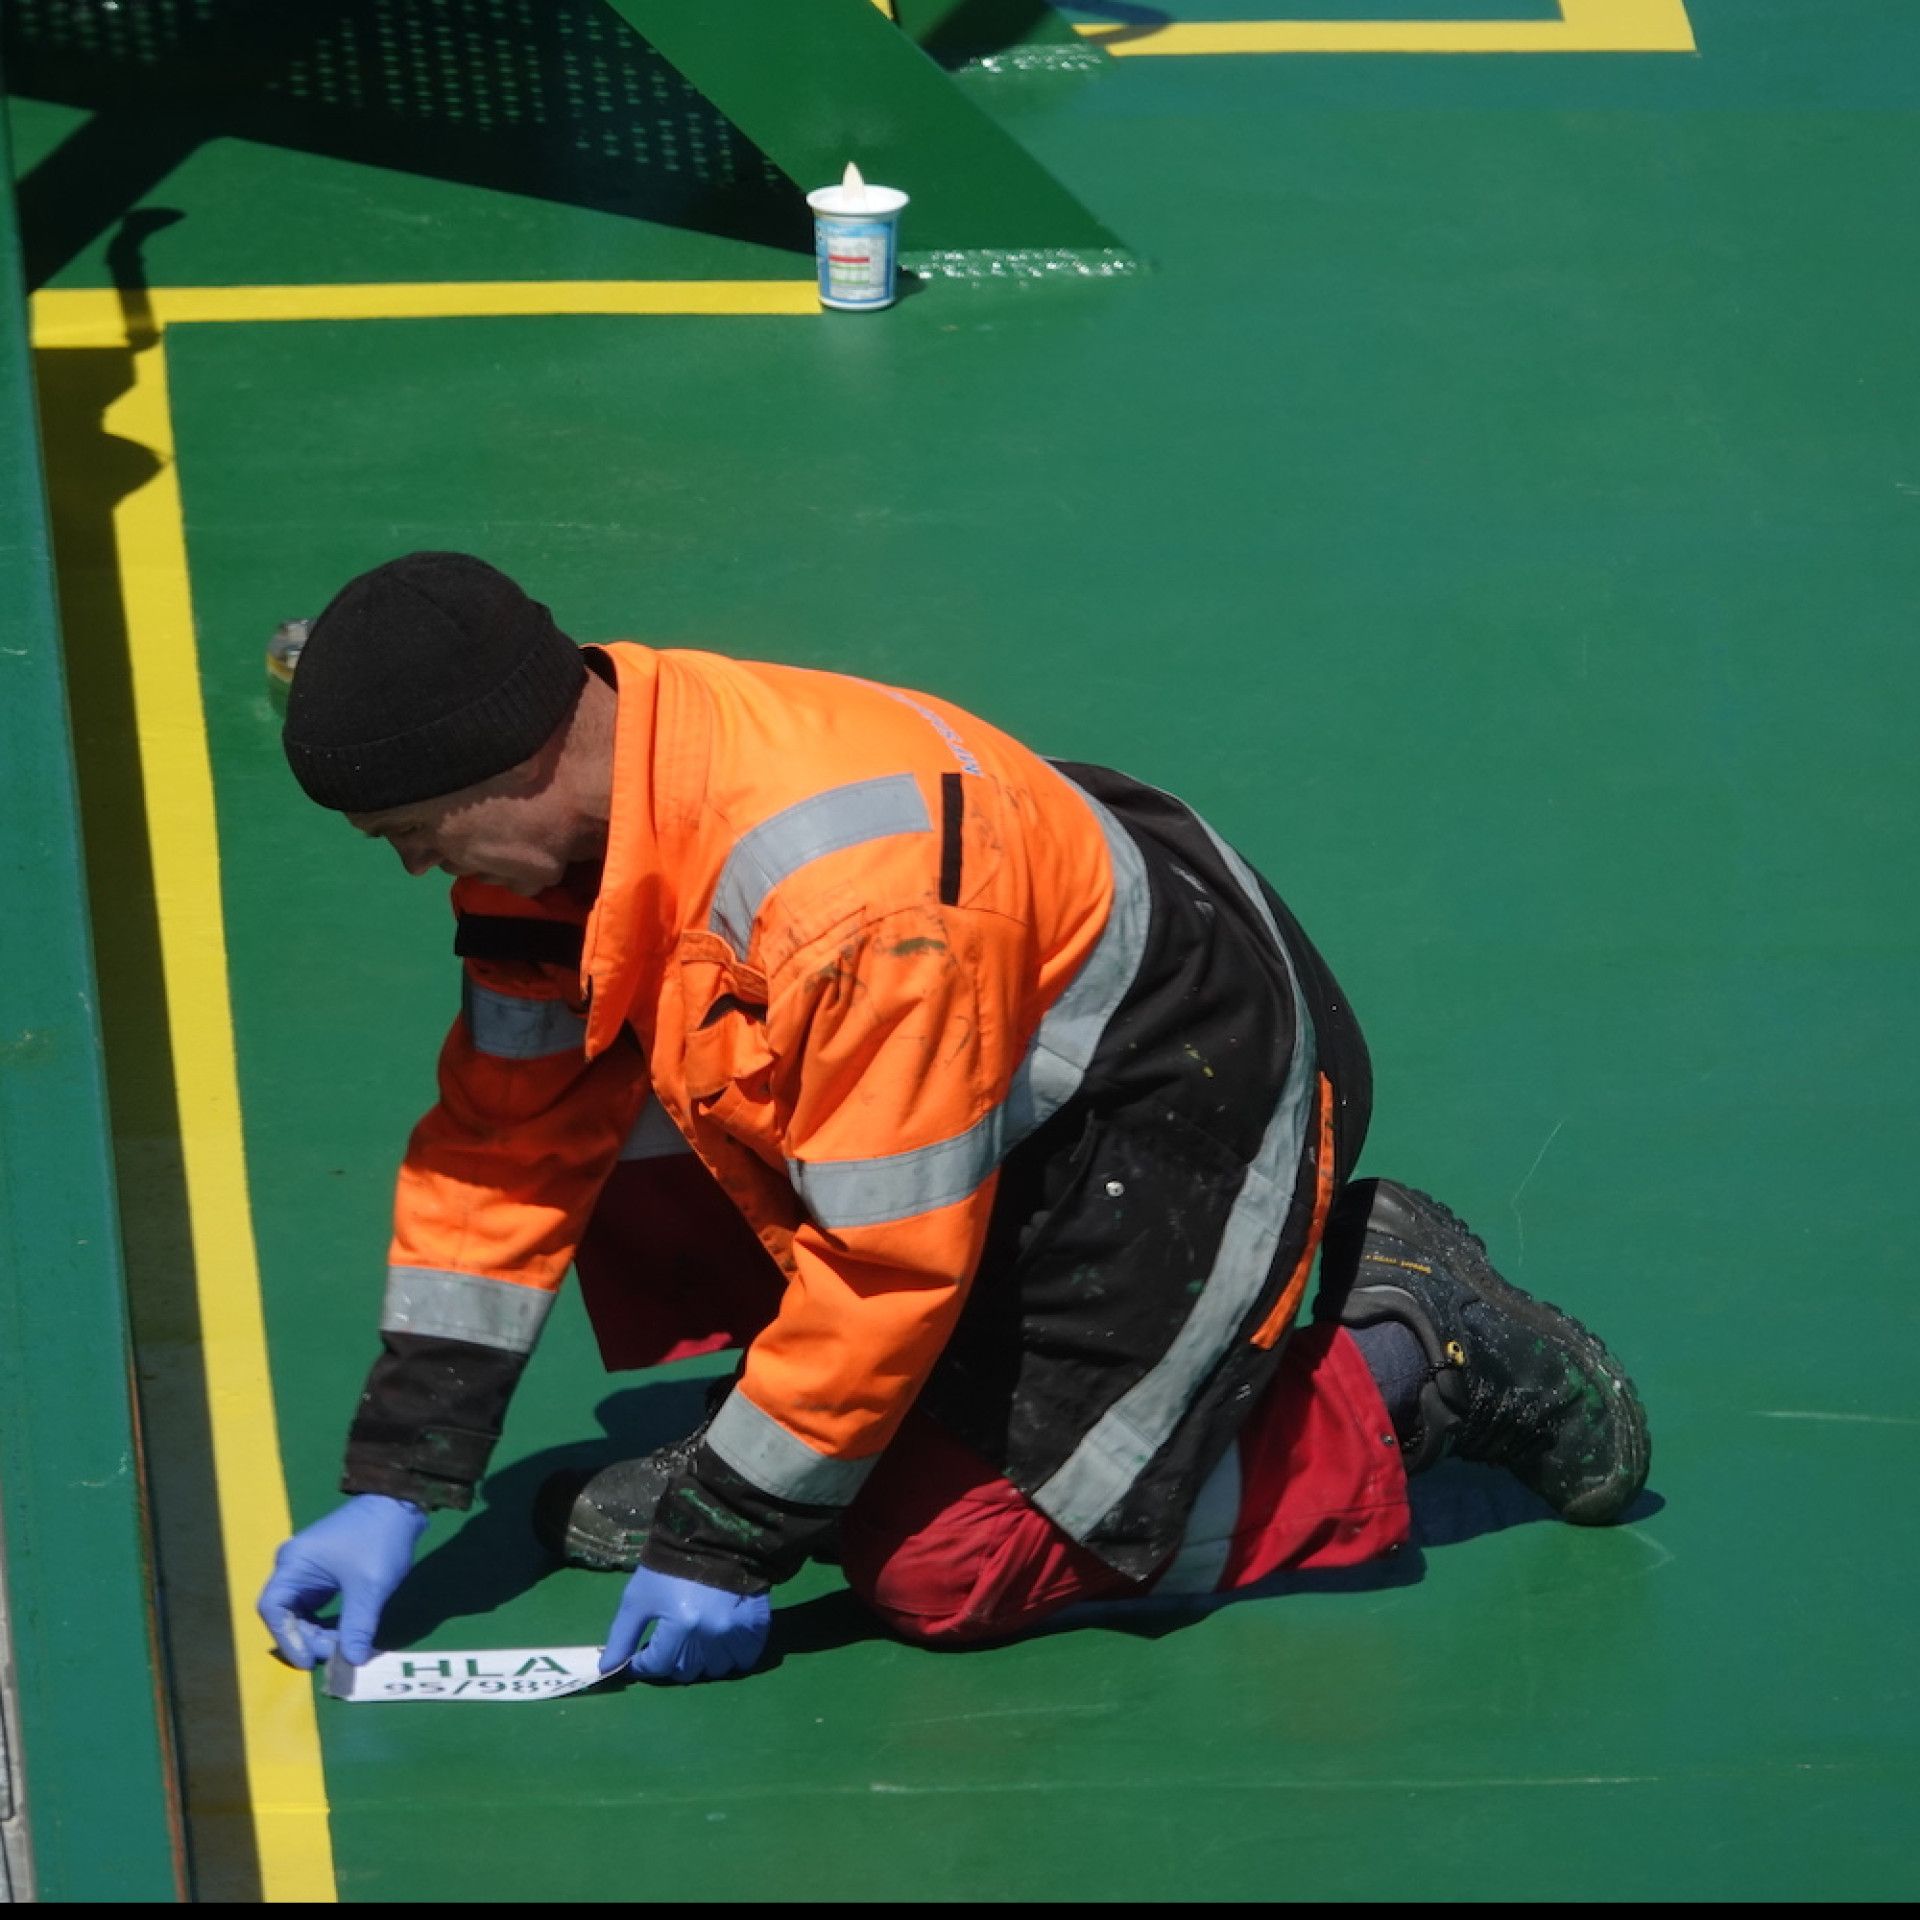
(856, 242)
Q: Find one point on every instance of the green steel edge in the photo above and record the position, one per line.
(100, 1793)
(816, 83)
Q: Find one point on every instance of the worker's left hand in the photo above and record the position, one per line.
(699, 1632)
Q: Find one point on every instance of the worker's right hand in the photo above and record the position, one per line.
(360, 1551)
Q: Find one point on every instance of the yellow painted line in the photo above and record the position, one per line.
(94, 316)
(283, 1792)
(1584, 26)
(284, 1786)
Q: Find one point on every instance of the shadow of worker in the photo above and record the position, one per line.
(564, 102)
(1451, 1503)
(495, 1556)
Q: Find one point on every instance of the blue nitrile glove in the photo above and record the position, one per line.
(699, 1632)
(361, 1551)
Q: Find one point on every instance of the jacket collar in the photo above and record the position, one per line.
(659, 759)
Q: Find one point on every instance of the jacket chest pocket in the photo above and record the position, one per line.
(729, 1064)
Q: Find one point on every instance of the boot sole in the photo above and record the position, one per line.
(595, 1558)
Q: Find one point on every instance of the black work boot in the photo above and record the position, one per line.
(1510, 1379)
(600, 1520)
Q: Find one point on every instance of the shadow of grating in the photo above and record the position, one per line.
(558, 99)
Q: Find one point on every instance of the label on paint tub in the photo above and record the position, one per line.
(856, 261)
(505, 1673)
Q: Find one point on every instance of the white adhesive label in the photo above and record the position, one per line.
(500, 1673)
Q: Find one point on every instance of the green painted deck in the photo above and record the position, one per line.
(1496, 505)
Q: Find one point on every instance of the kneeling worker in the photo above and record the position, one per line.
(997, 1109)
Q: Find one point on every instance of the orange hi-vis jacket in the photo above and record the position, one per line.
(854, 946)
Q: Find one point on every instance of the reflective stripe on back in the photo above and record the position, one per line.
(464, 1306)
(653, 1136)
(507, 1026)
(1062, 1049)
(896, 1186)
(759, 1449)
(1099, 1473)
(825, 823)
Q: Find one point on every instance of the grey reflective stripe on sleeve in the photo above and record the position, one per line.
(759, 1449)
(896, 1186)
(464, 1306)
(826, 823)
(1096, 1477)
(653, 1136)
(508, 1026)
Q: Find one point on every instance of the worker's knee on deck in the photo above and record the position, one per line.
(945, 1550)
(975, 1583)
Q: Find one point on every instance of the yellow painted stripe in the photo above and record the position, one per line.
(1585, 26)
(283, 1793)
(94, 316)
(284, 1786)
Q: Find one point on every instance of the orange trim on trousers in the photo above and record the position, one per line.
(1281, 1318)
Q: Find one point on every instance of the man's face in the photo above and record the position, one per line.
(501, 832)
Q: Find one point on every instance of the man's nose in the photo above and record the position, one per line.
(417, 862)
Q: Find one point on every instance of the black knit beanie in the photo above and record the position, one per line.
(429, 674)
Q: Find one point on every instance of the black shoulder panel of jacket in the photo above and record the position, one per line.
(429, 1419)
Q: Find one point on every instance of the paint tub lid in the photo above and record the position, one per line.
(854, 197)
